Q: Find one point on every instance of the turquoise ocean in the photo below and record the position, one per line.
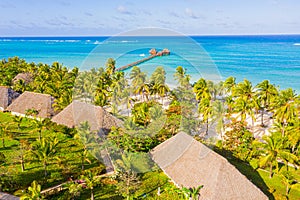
(272, 57)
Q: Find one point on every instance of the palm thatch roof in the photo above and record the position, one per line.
(42, 103)
(77, 112)
(7, 95)
(189, 163)
(5, 196)
(26, 77)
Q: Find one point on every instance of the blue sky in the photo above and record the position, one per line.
(110, 17)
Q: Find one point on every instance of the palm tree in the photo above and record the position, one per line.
(74, 188)
(266, 93)
(244, 93)
(182, 78)
(4, 132)
(204, 96)
(218, 112)
(24, 147)
(137, 77)
(274, 149)
(18, 120)
(141, 114)
(201, 89)
(110, 66)
(288, 180)
(34, 192)
(285, 107)
(158, 76)
(128, 183)
(64, 100)
(103, 91)
(91, 180)
(45, 149)
(41, 125)
(205, 108)
(87, 138)
(144, 90)
(229, 84)
(243, 107)
(162, 90)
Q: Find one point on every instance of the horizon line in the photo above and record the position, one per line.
(113, 35)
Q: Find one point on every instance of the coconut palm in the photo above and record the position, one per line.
(41, 125)
(205, 109)
(143, 90)
(45, 149)
(266, 94)
(274, 149)
(229, 84)
(158, 76)
(285, 107)
(87, 139)
(218, 113)
(74, 189)
(244, 93)
(288, 180)
(140, 114)
(162, 90)
(103, 90)
(137, 77)
(110, 66)
(24, 148)
(91, 181)
(182, 78)
(201, 89)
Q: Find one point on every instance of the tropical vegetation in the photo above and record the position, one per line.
(37, 154)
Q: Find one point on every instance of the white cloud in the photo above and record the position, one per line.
(189, 12)
(123, 10)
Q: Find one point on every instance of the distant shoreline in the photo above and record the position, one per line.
(187, 35)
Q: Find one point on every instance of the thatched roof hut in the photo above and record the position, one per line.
(166, 52)
(153, 52)
(191, 164)
(5, 196)
(26, 77)
(7, 95)
(77, 112)
(42, 103)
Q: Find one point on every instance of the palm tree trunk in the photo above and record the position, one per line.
(271, 172)
(82, 162)
(45, 169)
(262, 118)
(22, 164)
(92, 194)
(287, 190)
(206, 132)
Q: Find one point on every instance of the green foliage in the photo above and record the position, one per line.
(133, 142)
(191, 193)
(2, 158)
(34, 192)
(128, 183)
(239, 140)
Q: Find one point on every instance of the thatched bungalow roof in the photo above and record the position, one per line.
(7, 95)
(189, 163)
(5, 196)
(78, 112)
(26, 77)
(33, 101)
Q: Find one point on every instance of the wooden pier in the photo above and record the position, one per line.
(153, 54)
